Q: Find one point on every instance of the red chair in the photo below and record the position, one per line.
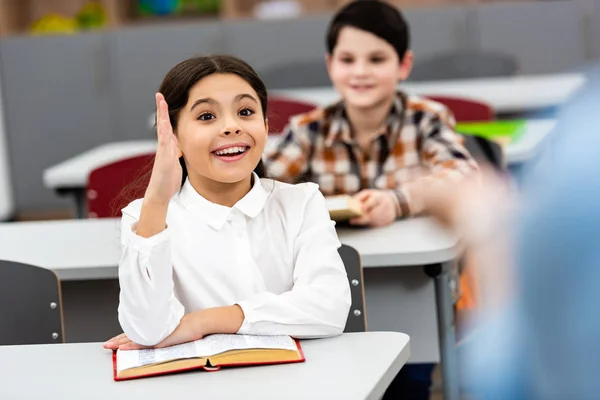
(466, 110)
(281, 110)
(113, 186)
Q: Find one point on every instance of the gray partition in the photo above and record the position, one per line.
(269, 43)
(57, 95)
(141, 59)
(546, 37)
(436, 30)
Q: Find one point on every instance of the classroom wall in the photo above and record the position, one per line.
(64, 95)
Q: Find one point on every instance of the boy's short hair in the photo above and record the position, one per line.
(374, 16)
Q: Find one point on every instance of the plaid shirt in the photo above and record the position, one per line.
(419, 144)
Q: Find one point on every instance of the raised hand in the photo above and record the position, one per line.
(166, 176)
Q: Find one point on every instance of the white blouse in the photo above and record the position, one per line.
(274, 253)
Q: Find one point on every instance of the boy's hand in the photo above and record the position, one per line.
(379, 208)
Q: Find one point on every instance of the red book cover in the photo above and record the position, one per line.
(206, 368)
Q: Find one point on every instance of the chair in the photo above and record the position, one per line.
(464, 65)
(300, 74)
(357, 319)
(30, 305)
(466, 110)
(485, 151)
(111, 182)
(280, 110)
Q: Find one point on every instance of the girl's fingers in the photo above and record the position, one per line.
(114, 342)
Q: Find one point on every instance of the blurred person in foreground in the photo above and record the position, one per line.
(538, 335)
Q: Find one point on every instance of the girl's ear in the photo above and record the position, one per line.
(267, 125)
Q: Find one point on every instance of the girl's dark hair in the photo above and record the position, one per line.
(181, 78)
(176, 87)
(374, 16)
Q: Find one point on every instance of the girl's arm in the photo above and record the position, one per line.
(148, 309)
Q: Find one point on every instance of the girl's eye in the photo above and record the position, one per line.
(206, 116)
(377, 60)
(347, 60)
(246, 112)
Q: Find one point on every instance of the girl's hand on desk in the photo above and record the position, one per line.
(188, 330)
(193, 326)
(166, 176)
(379, 208)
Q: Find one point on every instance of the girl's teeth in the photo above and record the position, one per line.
(231, 150)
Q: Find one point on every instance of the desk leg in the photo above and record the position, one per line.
(446, 328)
(79, 197)
(80, 204)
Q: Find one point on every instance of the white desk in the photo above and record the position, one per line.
(505, 94)
(78, 249)
(352, 366)
(73, 173)
(399, 299)
(528, 145)
(84, 249)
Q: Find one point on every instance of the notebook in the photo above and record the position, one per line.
(209, 354)
(343, 207)
(501, 131)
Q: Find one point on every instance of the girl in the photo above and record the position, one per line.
(212, 247)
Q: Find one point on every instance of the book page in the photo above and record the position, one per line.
(137, 358)
(216, 344)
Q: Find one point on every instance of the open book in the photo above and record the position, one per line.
(343, 207)
(210, 354)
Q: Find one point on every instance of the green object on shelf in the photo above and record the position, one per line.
(506, 131)
(200, 6)
(92, 15)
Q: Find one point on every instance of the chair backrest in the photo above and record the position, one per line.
(299, 74)
(280, 110)
(464, 65)
(106, 184)
(357, 317)
(485, 151)
(30, 305)
(466, 110)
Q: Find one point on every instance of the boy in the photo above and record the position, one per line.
(377, 143)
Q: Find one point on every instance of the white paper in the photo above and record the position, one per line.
(206, 347)
(337, 203)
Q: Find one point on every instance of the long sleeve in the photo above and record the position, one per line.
(288, 160)
(148, 308)
(442, 155)
(319, 302)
